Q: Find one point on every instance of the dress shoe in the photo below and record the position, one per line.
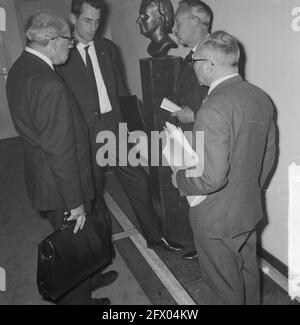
(166, 244)
(190, 255)
(100, 302)
(101, 280)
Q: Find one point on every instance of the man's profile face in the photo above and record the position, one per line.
(62, 48)
(149, 19)
(86, 24)
(183, 28)
(201, 68)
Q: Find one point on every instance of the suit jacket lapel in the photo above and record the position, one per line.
(101, 60)
(79, 63)
(181, 72)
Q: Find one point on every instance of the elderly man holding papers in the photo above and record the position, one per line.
(239, 152)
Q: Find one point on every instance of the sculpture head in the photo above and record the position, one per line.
(156, 20)
(155, 14)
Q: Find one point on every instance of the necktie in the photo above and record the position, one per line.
(189, 56)
(91, 73)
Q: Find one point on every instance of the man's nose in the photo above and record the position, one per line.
(94, 27)
(138, 21)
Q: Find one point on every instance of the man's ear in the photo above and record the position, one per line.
(209, 68)
(73, 19)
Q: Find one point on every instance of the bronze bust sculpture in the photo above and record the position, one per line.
(156, 19)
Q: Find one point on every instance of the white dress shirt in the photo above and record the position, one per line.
(105, 105)
(40, 55)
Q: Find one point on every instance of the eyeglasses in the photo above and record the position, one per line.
(192, 61)
(72, 40)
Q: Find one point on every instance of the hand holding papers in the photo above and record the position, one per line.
(180, 155)
(170, 106)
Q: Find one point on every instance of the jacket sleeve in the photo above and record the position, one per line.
(119, 71)
(217, 144)
(270, 153)
(54, 121)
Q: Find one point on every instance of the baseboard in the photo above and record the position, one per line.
(275, 262)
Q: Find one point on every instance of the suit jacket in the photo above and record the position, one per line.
(239, 152)
(75, 75)
(56, 156)
(188, 90)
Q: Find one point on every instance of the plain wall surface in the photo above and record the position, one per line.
(269, 33)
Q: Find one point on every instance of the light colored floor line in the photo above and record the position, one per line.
(159, 267)
(124, 234)
(176, 290)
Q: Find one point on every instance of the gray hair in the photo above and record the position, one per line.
(199, 9)
(43, 26)
(222, 47)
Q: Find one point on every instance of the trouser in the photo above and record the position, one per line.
(229, 267)
(80, 295)
(135, 183)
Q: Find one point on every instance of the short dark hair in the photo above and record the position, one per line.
(76, 7)
(202, 8)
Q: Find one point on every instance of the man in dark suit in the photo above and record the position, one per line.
(93, 74)
(193, 20)
(239, 152)
(56, 151)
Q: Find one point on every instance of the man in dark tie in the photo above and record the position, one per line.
(193, 20)
(239, 153)
(93, 74)
(55, 137)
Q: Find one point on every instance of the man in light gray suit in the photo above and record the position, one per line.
(239, 152)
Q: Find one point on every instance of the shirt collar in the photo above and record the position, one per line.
(217, 82)
(40, 55)
(81, 46)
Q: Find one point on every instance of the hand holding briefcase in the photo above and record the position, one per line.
(65, 259)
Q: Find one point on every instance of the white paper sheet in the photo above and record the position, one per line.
(181, 156)
(170, 106)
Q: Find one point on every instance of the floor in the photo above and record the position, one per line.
(146, 277)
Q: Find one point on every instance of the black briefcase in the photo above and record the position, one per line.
(65, 259)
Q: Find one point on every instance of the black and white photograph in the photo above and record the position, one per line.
(149, 155)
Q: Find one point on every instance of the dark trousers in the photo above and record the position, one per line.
(80, 295)
(135, 182)
(229, 267)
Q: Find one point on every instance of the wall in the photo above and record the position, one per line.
(269, 32)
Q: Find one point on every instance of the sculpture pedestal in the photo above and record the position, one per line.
(158, 76)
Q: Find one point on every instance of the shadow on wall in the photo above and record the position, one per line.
(265, 221)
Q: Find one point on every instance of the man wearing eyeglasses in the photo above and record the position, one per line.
(56, 147)
(239, 152)
(193, 20)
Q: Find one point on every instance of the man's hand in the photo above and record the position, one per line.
(78, 214)
(186, 115)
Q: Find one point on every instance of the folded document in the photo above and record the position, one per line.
(180, 155)
(170, 106)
